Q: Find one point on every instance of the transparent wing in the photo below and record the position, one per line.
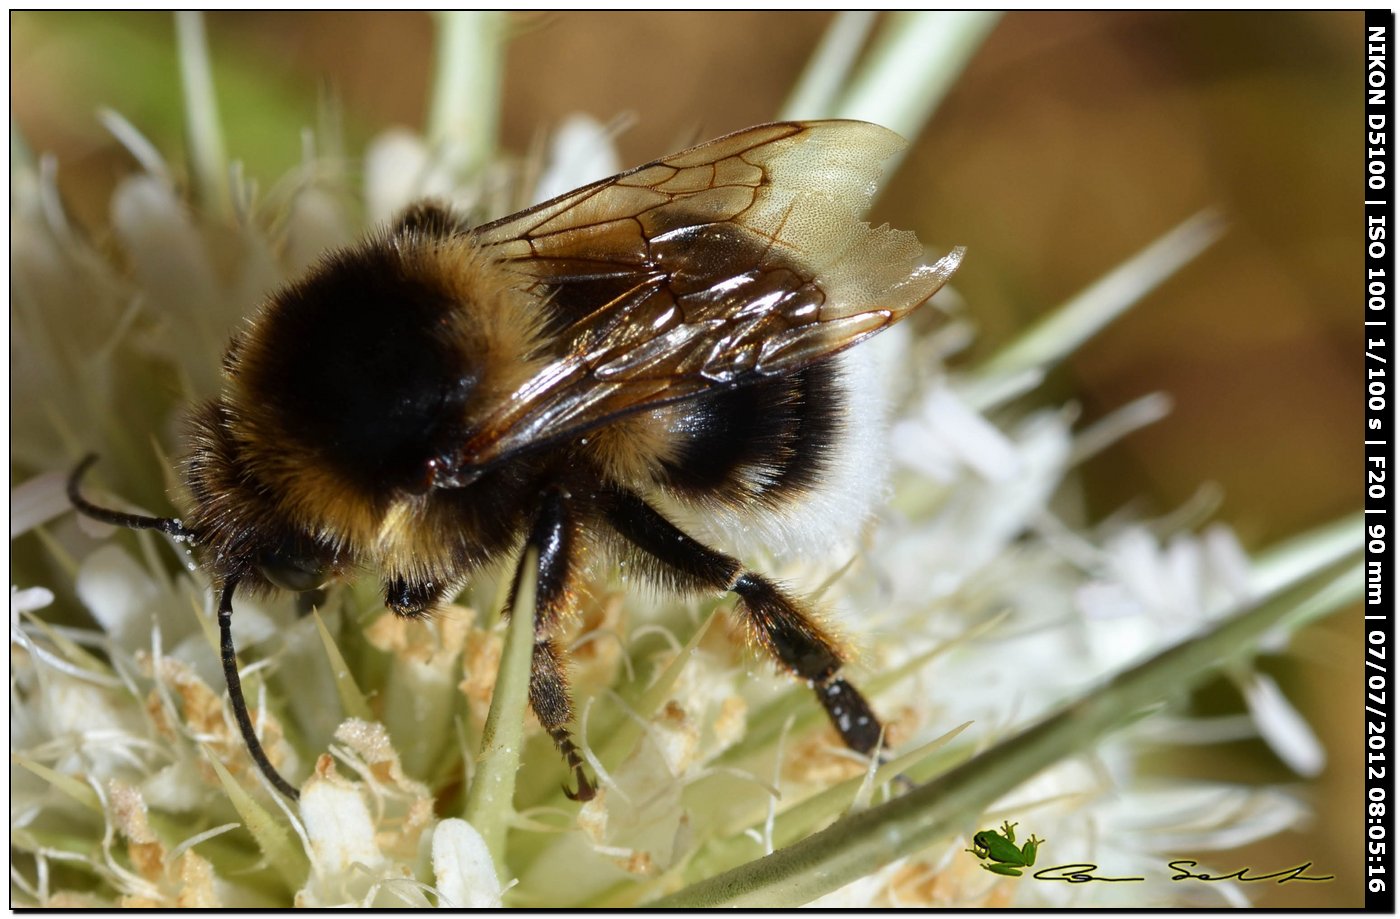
(741, 258)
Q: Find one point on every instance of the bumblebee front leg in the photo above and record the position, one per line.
(775, 621)
(554, 537)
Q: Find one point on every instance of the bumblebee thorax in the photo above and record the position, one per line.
(351, 382)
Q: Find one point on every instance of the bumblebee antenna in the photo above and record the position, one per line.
(168, 525)
(235, 695)
(172, 526)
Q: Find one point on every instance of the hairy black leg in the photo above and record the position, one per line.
(554, 537)
(235, 695)
(776, 621)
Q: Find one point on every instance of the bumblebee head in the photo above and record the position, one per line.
(239, 522)
(231, 526)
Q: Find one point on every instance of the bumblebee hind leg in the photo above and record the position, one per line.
(777, 623)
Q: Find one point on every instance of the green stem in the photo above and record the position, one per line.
(490, 800)
(915, 60)
(1278, 565)
(1063, 330)
(826, 71)
(206, 138)
(464, 104)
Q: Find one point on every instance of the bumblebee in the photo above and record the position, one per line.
(567, 379)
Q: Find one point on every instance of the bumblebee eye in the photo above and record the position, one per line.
(295, 573)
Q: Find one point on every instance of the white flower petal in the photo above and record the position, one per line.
(1227, 565)
(400, 169)
(466, 876)
(178, 787)
(1103, 600)
(1135, 562)
(953, 429)
(136, 143)
(339, 829)
(119, 594)
(580, 152)
(1182, 580)
(1121, 422)
(316, 224)
(394, 164)
(1127, 638)
(1204, 818)
(1282, 728)
(1260, 813)
(98, 729)
(37, 501)
(26, 601)
(913, 447)
(165, 248)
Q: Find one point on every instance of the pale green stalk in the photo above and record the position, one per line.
(208, 161)
(821, 82)
(1062, 331)
(915, 60)
(1308, 551)
(490, 800)
(135, 143)
(864, 842)
(1118, 424)
(465, 99)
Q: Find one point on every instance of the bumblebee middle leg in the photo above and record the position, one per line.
(554, 537)
(777, 622)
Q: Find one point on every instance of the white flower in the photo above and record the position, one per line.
(466, 876)
(580, 152)
(1148, 594)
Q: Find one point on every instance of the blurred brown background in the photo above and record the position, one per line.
(1071, 141)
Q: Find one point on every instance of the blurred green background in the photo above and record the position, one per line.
(1071, 141)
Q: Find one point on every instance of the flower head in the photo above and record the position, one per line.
(981, 614)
